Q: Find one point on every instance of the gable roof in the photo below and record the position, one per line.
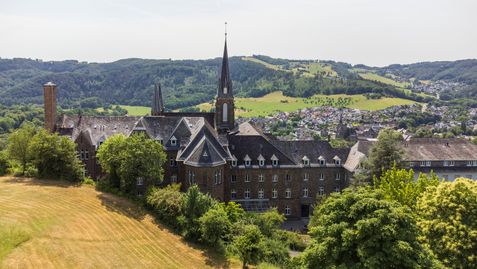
(439, 149)
(311, 149)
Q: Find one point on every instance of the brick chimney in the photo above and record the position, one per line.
(49, 90)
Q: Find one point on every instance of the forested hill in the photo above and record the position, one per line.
(190, 82)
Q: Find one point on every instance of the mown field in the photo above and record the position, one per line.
(46, 224)
(276, 102)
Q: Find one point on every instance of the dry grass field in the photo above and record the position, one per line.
(46, 224)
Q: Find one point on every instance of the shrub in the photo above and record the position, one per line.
(293, 240)
(166, 203)
(3, 163)
(88, 181)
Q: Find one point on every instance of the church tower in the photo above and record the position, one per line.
(157, 103)
(224, 104)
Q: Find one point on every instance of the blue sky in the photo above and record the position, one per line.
(373, 32)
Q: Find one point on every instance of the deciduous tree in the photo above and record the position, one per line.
(18, 143)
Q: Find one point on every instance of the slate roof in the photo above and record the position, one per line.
(357, 154)
(439, 149)
(312, 150)
(96, 128)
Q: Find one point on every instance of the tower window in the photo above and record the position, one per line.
(225, 90)
(225, 113)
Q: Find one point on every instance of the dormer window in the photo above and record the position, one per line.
(322, 160)
(261, 160)
(274, 160)
(247, 160)
(337, 160)
(306, 161)
(234, 163)
(173, 141)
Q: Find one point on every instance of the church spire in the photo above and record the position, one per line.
(225, 83)
(224, 104)
(157, 103)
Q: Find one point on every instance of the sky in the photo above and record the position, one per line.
(371, 32)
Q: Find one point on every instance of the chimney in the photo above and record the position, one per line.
(49, 91)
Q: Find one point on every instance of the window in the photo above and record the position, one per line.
(247, 194)
(247, 163)
(247, 160)
(82, 155)
(233, 194)
(427, 163)
(321, 191)
(216, 177)
(234, 163)
(191, 178)
(322, 177)
(260, 194)
(173, 179)
(337, 189)
(448, 163)
(233, 178)
(172, 162)
(173, 141)
(305, 177)
(275, 178)
(470, 163)
(86, 155)
(260, 178)
(287, 211)
(337, 161)
(261, 162)
(322, 161)
(338, 176)
(225, 90)
(451, 163)
(288, 193)
(225, 112)
(247, 178)
(305, 192)
(288, 177)
(274, 160)
(306, 161)
(140, 181)
(274, 193)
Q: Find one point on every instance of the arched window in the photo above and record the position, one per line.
(225, 113)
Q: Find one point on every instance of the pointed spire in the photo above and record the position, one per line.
(157, 104)
(225, 84)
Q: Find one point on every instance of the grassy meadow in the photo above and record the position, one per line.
(276, 102)
(49, 224)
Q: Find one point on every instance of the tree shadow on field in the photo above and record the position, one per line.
(122, 206)
(41, 182)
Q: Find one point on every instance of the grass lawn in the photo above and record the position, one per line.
(385, 80)
(276, 102)
(133, 110)
(48, 224)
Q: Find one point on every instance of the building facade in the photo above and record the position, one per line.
(230, 162)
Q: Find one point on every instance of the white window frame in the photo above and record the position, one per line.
(86, 155)
(305, 193)
(233, 194)
(322, 177)
(288, 194)
(233, 178)
(274, 193)
(247, 178)
(321, 191)
(287, 211)
(338, 176)
(173, 141)
(139, 181)
(261, 194)
(234, 163)
(225, 112)
(174, 179)
(246, 194)
(260, 178)
(306, 176)
(248, 163)
(275, 178)
(275, 162)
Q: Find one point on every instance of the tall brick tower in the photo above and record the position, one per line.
(49, 95)
(224, 104)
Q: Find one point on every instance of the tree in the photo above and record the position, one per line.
(215, 225)
(384, 153)
(194, 205)
(360, 229)
(55, 157)
(166, 203)
(3, 163)
(109, 156)
(18, 143)
(448, 220)
(248, 245)
(269, 221)
(399, 185)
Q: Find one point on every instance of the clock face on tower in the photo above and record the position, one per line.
(225, 90)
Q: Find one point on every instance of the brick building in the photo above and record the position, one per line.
(230, 162)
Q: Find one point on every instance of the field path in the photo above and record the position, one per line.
(65, 226)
